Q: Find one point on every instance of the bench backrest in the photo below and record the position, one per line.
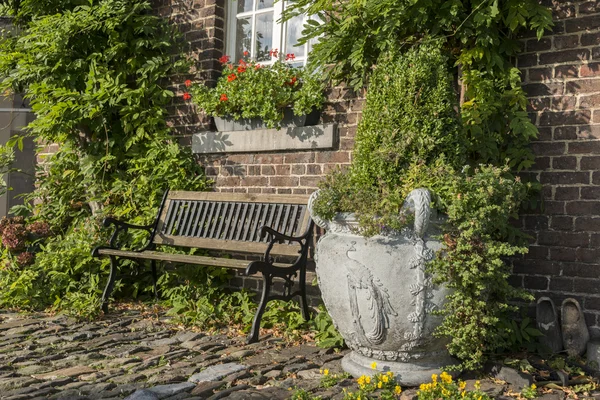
(231, 221)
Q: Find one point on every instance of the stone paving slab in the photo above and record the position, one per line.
(128, 355)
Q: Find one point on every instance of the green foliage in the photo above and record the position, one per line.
(94, 73)
(248, 90)
(326, 335)
(411, 136)
(301, 394)
(378, 386)
(529, 392)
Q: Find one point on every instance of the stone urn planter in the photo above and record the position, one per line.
(379, 296)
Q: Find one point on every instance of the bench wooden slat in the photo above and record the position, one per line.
(234, 222)
(239, 197)
(182, 258)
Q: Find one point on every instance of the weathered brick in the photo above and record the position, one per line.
(563, 103)
(535, 282)
(539, 45)
(592, 101)
(562, 254)
(589, 132)
(582, 24)
(566, 42)
(545, 133)
(561, 284)
(590, 39)
(299, 191)
(333, 156)
(564, 178)
(566, 71)
(538, 103)
(554, 207)
(565, 117)
(596, 178)
(267, 170)
(590, 7)
(253, 169)
(536, 267)
(284, 191)
(310, 181)
(228, 181)
(588, 255)
(583, 86)
(284, 181)
(561, 223)
(527, 60)
(565, 133)
(298, 169)
(590, 193)
(548, 149)
(567, 192)
(588, 223)
(254, 181)
(564, 163)
(582, 207)
(589, 163)
(537, 253)
(300, 158)
(583, 285)
(268, 159)
(580, 270)
(564, 56)
(591, 69)
(313, 169)
(591, 303)
(544, 89)
(515, 281)
(539, 74)
(584, 147)
(283, 169)
(566, 239)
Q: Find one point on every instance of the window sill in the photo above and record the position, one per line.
(263, 140)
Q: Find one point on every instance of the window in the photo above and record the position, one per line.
(252, 27)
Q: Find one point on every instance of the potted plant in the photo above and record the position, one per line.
(249, 95)
(389, 269)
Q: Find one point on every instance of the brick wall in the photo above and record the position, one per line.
(562, 77)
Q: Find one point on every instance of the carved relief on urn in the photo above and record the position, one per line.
(380, 297)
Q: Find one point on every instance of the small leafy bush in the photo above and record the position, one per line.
(248, 89)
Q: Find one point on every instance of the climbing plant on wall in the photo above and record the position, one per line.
(94, 73)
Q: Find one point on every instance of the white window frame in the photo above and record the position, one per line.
(279, 41)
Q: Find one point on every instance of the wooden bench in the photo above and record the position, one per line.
(269, 225)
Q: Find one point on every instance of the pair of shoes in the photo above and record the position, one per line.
(572, 335)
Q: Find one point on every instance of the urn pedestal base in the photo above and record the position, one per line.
(406, 373)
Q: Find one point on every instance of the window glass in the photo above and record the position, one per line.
(243, 37)
(244, 5)
(262, 4)
(294, 32)
(264, 36)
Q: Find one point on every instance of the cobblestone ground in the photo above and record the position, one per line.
(129, 356)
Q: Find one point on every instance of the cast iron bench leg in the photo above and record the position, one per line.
(253, 337)
(109, 284)
(154, 279)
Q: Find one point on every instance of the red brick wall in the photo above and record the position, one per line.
(562, 77)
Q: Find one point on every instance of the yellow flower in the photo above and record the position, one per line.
(446, 377)
(397, 389)
(361, 380)
(385, 378)
(479, 398)
(477, 385)
(325, 372)
(390, 374)
(533, 386)
(374, 365)
(379, 384)
(445, 392)
(463, 394)
(462, 385)
(434, 377)
(422, 387)
(368, 379)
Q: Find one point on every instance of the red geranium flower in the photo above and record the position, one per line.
(241, 69)
(188, 83)
(187, 96)
(246, 53)
(231, 77)
(290, 56)
(274, 53)
(292, 81)
(257, 66)
(223, 97)
(224, 59)
(230, 67)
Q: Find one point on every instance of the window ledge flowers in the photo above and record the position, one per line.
(251, 90)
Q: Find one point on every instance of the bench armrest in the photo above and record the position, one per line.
(121, 228)
(277, 237)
